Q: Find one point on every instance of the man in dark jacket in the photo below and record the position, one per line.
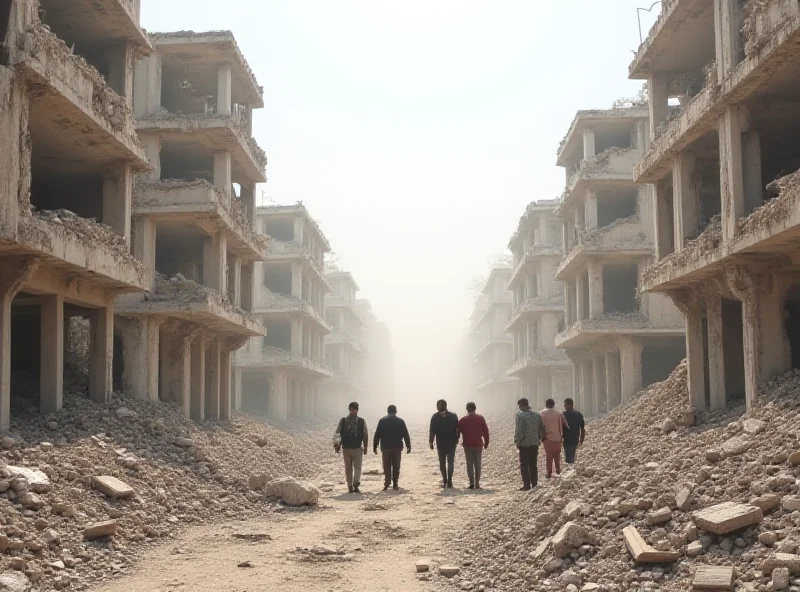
(389, 435)
(352, 439)
(444, 430)
(575, 433)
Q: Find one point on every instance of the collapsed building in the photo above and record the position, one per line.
(543, 370)
(280, 374)
(68, 155)
(193, 223)
(618, 339)
(722, 162)
(493, 346)
(344, 348)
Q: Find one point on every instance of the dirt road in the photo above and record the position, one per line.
(382, 535)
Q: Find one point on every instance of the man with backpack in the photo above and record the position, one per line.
(352, 439)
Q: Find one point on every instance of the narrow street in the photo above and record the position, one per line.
(382, 535)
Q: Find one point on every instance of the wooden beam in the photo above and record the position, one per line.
(644, 553)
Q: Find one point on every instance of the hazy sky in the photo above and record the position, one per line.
(417, 131)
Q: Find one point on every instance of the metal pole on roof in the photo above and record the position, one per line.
(639, 18)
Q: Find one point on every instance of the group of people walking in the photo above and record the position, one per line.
(549, 428)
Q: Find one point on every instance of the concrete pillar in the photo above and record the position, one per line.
(297, 336)
(695, 368)
(147, 86)
(224, 89)
(140, 352)
(117, 202)
(630, 352)
(658, 94)
(198, 388)
(599, 379)
(753, 335)
(213, 379)
(237, 282)
(237, 389)
(222, 173)
(176, 369)
(731, 125)
(152, 147)
(247, 285)
(215, 260)
(727, 34)
(753, 185)
(589, 150)
(580, 297)
(51, 363)
(280, 400)
(249, 202)
(776, 355)
(144, 243)
(663, 211)
(613, 380)
(595, 289)
(297, 281)
(685, 200)
(101, 353)
(590, 217)
(716, 352)
(587, 387)
(6, 296)
(120, 72)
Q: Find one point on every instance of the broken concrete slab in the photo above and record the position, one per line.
(753, 426)
(38, 482)
(711, 577)
(112, 487)
(98, 530)
(736, 445)
(727, 517)
(644, 553)
(788, 560)
(571, 536)
(659, 517)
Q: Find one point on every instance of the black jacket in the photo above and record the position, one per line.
(390, 433)
(444, 428)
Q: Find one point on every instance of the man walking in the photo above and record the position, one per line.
(475, 438)
(444, 430)
(554, 424)
(574, 433)
(352, 439)
(528, 434)
(389, 435)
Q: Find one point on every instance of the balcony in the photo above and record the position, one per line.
(340, 337)
(588, 331)
(273, 358)
(531, 255)
(200, 203)
(624, 238)
(71, 104)
(99, 22)
(538, 360)
(281, 305)
(291, 251)
(194, 303)
(534, 307)
(495, 341)
(613, 166)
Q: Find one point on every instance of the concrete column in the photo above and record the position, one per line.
(613, 380)
(685, 200)
(144, 243)
(599, 379)
(237, 282)
(663, 211)
(222, 173)
(580, 297)
(630, 352)
(576, 385)
(247, 286)
(298, 230)
(152, 147)
(198, 388)
(297, 281)
(595, 289)
(727, 25)
(224, 89)
(120, 72)
(753, 185)
(280, 406)
(147, 86)
(51, 363)
(117, 202)
(297, 336)
(589, 151)
(101, 353)
(716, 352)
(249, 202)
(731, 125)
(140, 350)
(6, 296)
(753, 335)
(695, 358)
(176, 369)
(213, 379)
(215, 260)
(587, 387)
(237, 389)
(658, 94)
(590, 217)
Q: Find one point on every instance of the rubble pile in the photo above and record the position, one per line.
(707, 242)
(81, 491)
(776, 209)
(723, 495)
(86, 228)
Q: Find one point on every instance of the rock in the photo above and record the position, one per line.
(112, 487)
(794, 459)
(668, 426)
(100, 529)
(572, 510)
(3, 543)
(659, 517)
(780, 578)
(449, 571)
(51, 537)
(651, 466)
(768, 503)
(58, 565)
(768, 539)
(713, 456)
(245, 564)
(7, 443)
(727, 517)
(14, 582)
(694, 549)
(31, 501)
(17, 564)
(183, 442)
(736, 445)
(753, 426)
(293, 492)
(590, 587)
(125, 413)
(257, 482)
(423, 565)
(571, 536)
(683, 498)
(778, 560)
(38, 482)
(791, 504)
(570, 577)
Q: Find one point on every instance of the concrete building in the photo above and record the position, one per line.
(280, 374)
(722, 79)
(376, 341)
(193, 100)
(543, 370)
(493, 344)
(618, 340)
(68, 154)
(344, 349)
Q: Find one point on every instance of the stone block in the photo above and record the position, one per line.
(709, 577)
(112, 487)
(98, 530)
(727, 517)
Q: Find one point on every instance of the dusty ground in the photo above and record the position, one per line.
(382, 535)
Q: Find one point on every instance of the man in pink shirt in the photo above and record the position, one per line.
(554, 424)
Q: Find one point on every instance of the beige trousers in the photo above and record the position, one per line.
(353, 458)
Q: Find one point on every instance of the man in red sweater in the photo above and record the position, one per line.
(475, 437)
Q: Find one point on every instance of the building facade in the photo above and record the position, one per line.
(280, 375)
(543, 370)
(722, 164)
(618, 340)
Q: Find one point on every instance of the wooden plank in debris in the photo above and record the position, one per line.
(644, 553)
(709, 577)
(727, 517)
(112, 487)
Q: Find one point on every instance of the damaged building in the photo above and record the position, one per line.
(618, 340)
(279, 375)
(723, 164)
(344, 347)
(68, 156)
(193, 224)
(543, 370)
(493, 344)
